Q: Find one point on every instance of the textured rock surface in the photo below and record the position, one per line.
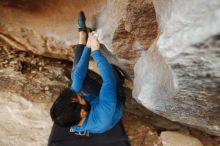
(29, 85)
(188, 38)
(23, 122)
(177, 139)
(183, 23)
(32, 76)
(49, 28)
(190, 45)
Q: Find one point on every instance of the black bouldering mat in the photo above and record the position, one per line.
(61, 136)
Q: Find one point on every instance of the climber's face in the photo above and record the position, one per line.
(85, 105)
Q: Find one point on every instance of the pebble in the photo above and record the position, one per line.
(13, 62)
(5, 62)
(41, 63)
(170, 138)
(22, 54)
(46, 88)
(40, 68)
(33, 72)
(5, 65)
(33, 62)
(48, 93)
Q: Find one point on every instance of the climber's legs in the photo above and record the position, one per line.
(79, 48)
(82, 37)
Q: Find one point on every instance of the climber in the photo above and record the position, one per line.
(93, 106)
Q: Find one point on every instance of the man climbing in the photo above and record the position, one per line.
(93, 106)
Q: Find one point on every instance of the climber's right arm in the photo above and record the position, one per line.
(80, 71)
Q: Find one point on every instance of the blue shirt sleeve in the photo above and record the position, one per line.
(80, 71)
(89, 98)
(107, 95)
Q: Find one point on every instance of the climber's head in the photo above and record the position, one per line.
(69, 109)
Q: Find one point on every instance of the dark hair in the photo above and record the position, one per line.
(64, 112)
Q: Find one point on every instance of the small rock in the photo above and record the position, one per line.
(128, 27)
(46, 88)
(33, 72)
(5, 65)
(177, 139)
(22, 54)
(5, 62)
(36, 91)
(40, 68)
(41, 63)
(48, 93)
(33, 62)
(14, 62)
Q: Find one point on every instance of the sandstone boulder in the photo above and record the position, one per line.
(49, 28)
(195, 63)
(177, 139)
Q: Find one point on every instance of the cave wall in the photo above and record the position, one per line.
(170, 48)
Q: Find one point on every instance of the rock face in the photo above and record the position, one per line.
(31, 121)
(177, 139)
(47, 28)
(28, 75)
(29, 85)
(195, 63)
(183, 86)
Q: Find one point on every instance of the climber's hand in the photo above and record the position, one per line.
(93, 37)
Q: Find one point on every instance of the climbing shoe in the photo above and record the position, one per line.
(82, 21)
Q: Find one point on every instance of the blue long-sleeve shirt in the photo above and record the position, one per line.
(105, 110)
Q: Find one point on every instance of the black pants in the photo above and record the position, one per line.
(91, 86)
